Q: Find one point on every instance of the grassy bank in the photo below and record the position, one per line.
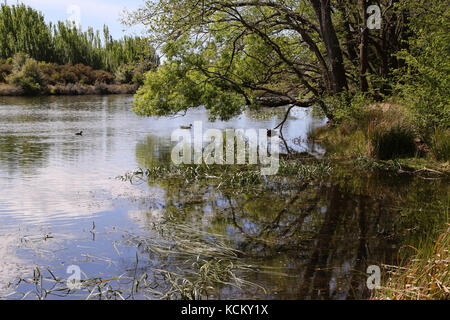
(389, 137)
(386, 135)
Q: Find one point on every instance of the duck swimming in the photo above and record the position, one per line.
(186, 127)
(79, 133)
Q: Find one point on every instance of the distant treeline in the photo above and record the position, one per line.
(23, 30)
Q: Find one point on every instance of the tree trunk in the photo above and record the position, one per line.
(332, 46)
(363, 55)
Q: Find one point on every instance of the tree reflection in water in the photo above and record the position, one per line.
(313, 239)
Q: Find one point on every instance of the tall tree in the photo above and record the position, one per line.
(23, 29)
(364, 85)
(331, 42)
(268, 52)
(226, 54)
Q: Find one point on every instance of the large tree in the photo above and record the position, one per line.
(226, 54)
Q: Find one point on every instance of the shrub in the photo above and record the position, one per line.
(103, 76)
(384, 131)
(140, 70)
(393, 142)
(5, 71)
(29, 78)
(68, 74)
(28, 85)
(51, 72)
(85, 74)
(129, 73)
(440, 145)
(70, 89)
(145, 66)
(19, 61)
(71, 74)
(349, 107)
(138, 78)
(124, 74)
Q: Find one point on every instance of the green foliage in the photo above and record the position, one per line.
(349, 107)
(18, 61)
(382, 131)
(124, 74)
(440, 145)
(174, 87)
(23, 29)
(281, 49)
(140, 70)
(424, 276)
(102, 76)
(71, 45)
(425, 82)
(223, 67)
(29, 78)
(138, 78)
(133, 73)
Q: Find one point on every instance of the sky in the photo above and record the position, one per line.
(92, 13)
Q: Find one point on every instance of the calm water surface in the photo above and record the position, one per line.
(61, 204)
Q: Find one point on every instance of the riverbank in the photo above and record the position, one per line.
(25, 76)
(385, 136)
(72, 89)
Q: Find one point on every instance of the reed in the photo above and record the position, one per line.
(425, 276)
(193, 264)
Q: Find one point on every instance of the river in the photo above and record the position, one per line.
(61, 203)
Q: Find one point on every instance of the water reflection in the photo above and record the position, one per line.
(11, 266)
(317, 239)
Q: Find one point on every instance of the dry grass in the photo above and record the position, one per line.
(9, 90)
(424, 277)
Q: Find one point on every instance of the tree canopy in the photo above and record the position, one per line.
(23, 30)
(228, 54)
